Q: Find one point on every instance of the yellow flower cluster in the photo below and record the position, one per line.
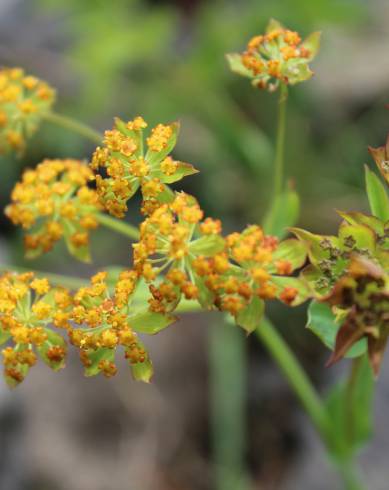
(170, 239)
(199, 264)
(106, 322)
(277, 56)
(246, 270)
(130, 163)
(180, 255)
(28, 305)
(97, 318)
(23, 101)
(54, 201)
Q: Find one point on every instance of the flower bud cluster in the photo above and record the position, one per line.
(180, 254)
(53, 202)
(248, 268)
(170, 239)
(129, 162)
(23, 101)
(199, 264)
(28, 307)
(103, 322)
(278, 56)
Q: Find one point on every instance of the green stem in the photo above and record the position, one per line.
(350, 397)
(310, 400)
(349, 475)
(73, 125)
(227, 359)
(225, 356)
(296, 377)
(119, 226)
(280, 142)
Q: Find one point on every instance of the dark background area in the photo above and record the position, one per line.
(165, 61)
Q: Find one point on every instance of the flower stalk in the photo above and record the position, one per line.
(280, 143)
(121, 227)
(73, 125)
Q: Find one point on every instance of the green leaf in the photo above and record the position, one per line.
(311, 275)
(166, 196)
(95, 357)
(250, 317)
(316, 252)
(207, 245)
(236, 65)
(183, 170)
(377, 195)
(142, 371)
(312, 44)
(292, 250)
(350, 407)
(53, 340)
(297, 70)
(364, 236)
(273, 25)
(356, 218)
(80, 253)
(283, 214)
(322, 322)
(150, 322)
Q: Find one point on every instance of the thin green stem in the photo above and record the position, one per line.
(310, 400)
(350, 397)
(73, 125)
(349, 475)
(227, 359)
(119, 226)
(223, 354)
(296, 377)
(280, 142)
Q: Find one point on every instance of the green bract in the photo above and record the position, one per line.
(330, 255)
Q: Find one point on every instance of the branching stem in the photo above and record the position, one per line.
(74, 126)
(119, 226)
(280, 142)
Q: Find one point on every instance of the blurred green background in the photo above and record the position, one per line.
(165, 60)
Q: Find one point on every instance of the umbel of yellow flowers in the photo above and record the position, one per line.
(278, 56)
(179, 255)
(132, 163)
(30, 312)
(53, 202)
(23, 101)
